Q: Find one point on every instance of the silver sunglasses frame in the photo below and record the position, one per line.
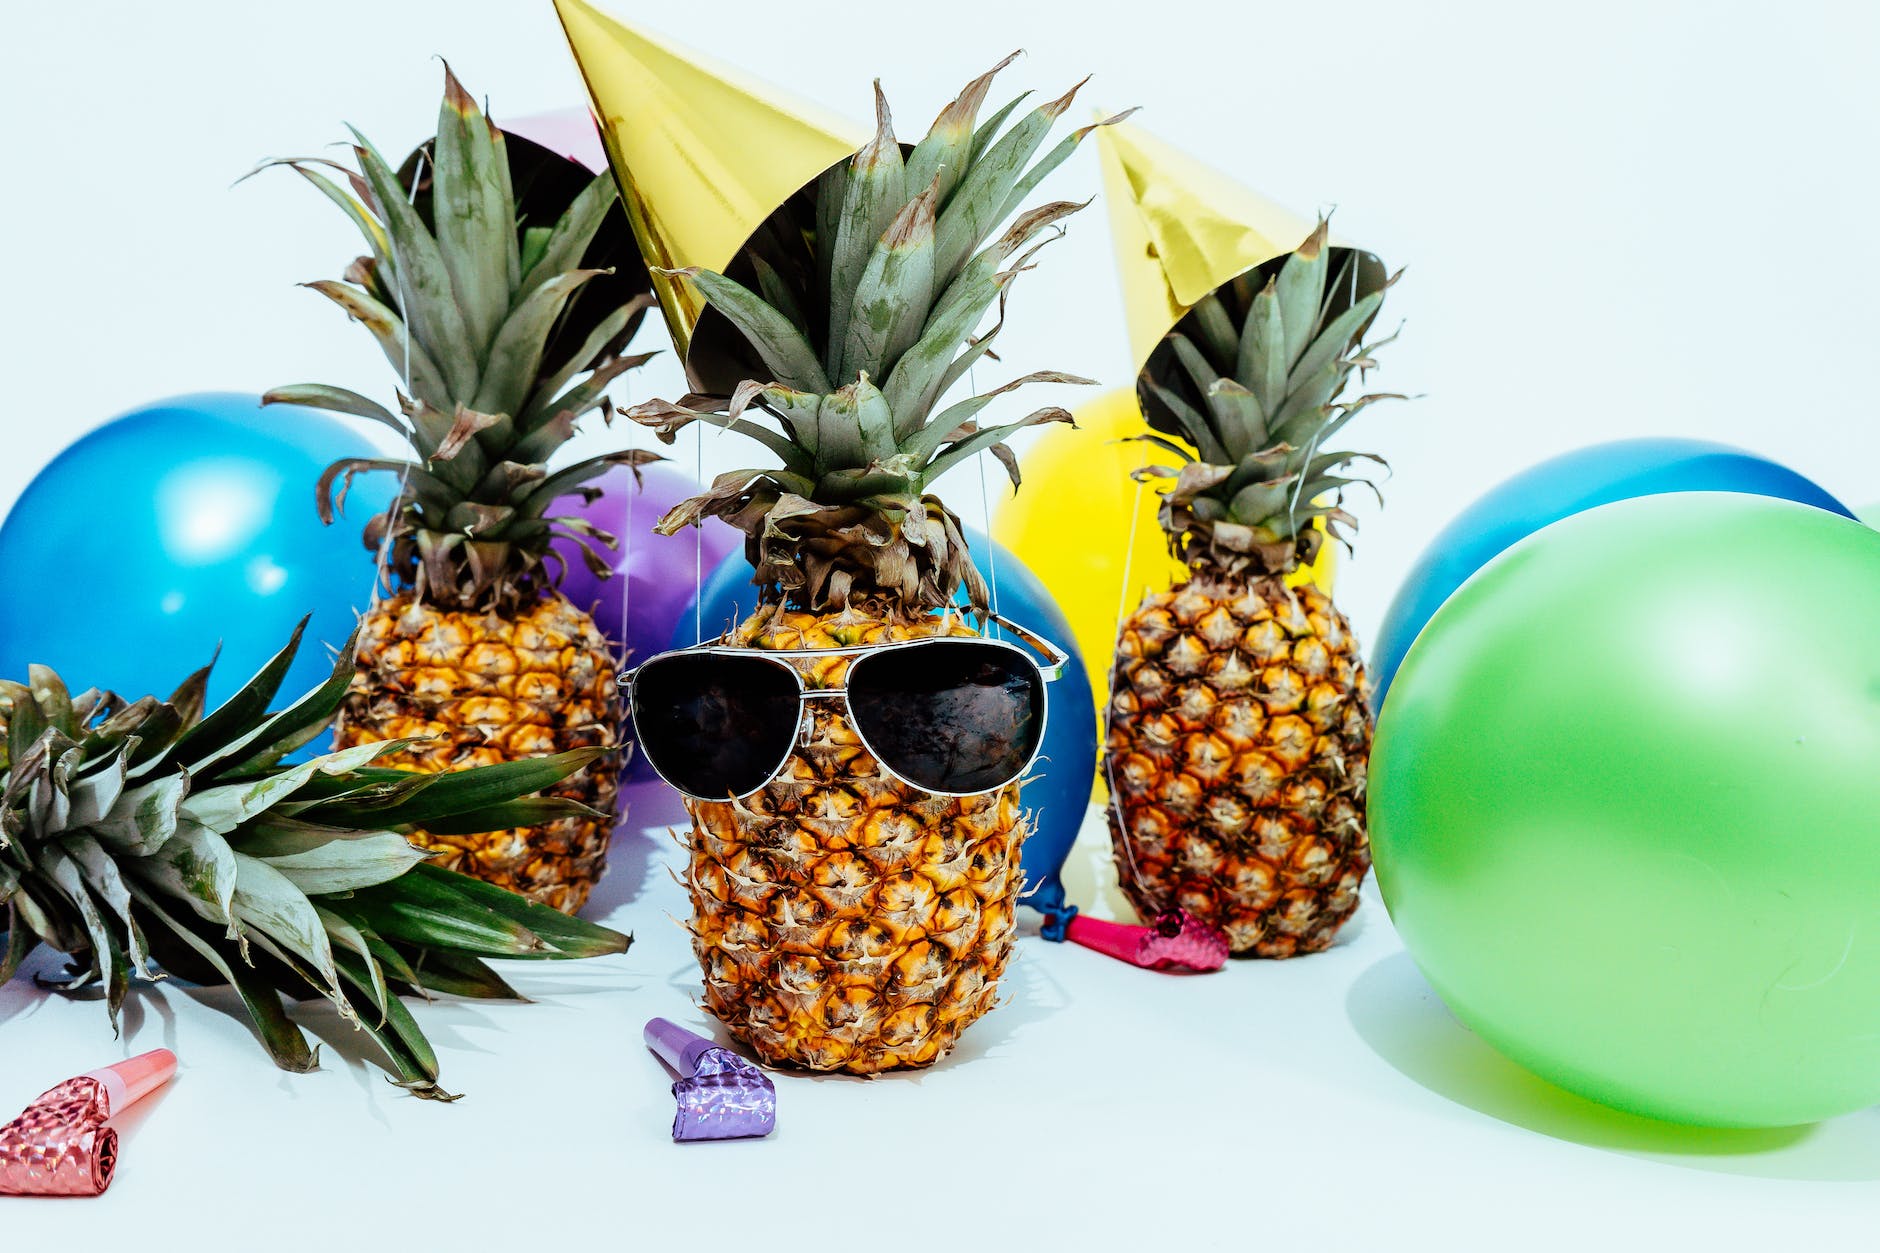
(1051, 670)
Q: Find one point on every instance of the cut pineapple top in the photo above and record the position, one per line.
(477, 304)
(1247, 391)
(855, 311)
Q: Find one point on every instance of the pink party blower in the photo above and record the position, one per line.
(1175, 940)
(61, 1145)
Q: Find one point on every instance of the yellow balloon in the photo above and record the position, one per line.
(1073, 520)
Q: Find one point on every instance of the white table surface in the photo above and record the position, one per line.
(1324, 1103)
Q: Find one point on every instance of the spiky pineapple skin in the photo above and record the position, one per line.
(490, 688)
(846, 921)
(1238, 739)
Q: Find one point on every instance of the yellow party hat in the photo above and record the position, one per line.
(703, 154)
(1182, 229)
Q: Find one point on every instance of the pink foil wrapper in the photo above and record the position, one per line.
(1175, 941)
(720, 1095)
(61, 1144)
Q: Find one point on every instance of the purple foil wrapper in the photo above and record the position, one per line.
(720, 1095)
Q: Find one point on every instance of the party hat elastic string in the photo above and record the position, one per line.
(985, 518)
(625, 572)
(1109, 762)
(698, 545)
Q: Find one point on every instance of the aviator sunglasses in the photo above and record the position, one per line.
(954, 715)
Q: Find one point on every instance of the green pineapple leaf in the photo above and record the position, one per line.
(873, 194)
(562, 934)
(456, 974)
(426, 298)
(873, 288)
(207, 866)
(418, 373)
(336, 400)
(947, 148)
(475, 230)
(894, 292)
(785, 351)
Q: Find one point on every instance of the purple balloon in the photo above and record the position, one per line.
(642, 611)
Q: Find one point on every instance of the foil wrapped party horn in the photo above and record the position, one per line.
(1175, 941)
(63, 1145)
(721, 1096)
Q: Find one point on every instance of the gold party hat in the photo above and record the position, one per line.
(1182, 229)
(703, 154)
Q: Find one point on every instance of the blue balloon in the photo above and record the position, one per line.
(1058, 793)
(179, 527)
(1559, 488)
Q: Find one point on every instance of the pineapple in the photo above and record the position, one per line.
(844, 920)
(141, 832)
(476, 301)
(1238, 730)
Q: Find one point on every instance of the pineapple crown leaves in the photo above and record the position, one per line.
(861, 339)
(149, 837)
(1247, 391)
(478, 308)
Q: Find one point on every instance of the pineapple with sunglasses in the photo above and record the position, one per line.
(851, 751)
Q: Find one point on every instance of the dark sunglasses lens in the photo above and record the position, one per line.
(715, 726)
(950, 716)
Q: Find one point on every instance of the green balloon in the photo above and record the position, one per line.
(1625, 808)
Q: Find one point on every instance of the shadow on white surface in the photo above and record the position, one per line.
(641, 847)
(340, 1047)
(131, 1119)
(24, 996)
(21, 1000)
(1400, 1017)
(1028, 993)
(139, 1005)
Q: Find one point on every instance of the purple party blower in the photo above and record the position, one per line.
(721, 1096)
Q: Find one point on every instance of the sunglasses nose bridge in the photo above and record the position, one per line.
(809, 700)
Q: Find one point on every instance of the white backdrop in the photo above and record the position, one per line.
(1616, 218)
